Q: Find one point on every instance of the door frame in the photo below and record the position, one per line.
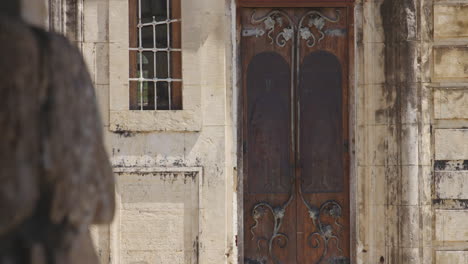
(238, 113)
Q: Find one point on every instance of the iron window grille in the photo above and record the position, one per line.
(155, 55)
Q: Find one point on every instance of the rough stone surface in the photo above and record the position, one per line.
(451, 21)
(158, 216)
(449, 78)
(451, 184)
(451, 63)
(451, 103)
(56, 178)
(197, 136)
(448, 257)
(451, 225)
(450, 144)
(405, 70)
(404, 151)
(147, 121)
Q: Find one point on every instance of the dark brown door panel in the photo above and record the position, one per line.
(295, 132)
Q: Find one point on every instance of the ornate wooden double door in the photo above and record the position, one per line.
(295, 149)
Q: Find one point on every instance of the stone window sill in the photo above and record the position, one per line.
(162, 120)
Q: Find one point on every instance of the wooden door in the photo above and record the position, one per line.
(295, 135)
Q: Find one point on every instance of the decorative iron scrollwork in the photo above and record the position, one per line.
(324, 231)
(258, 211)
(316, 20)
(271, 20)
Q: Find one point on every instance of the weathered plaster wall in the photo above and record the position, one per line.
(411, 131)
(393, 133)
(450, 134)
(152, 211)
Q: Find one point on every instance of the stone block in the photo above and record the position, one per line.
(451, 144)
(372, 23)
(451, 103)
(427, 230)
(411, 104)
(409, 226)
(410, 144)
(451, 257)
(118, 21)
(378, 185)
(378, 101)
(95, 17)
(375, 227)
(213, 106)
(451, 225)
(374, 61)
(451, 184)
(88, 51)
(410, 256)
(410, 185)
(425, 187)
(425, 147)
(451, 21)
(102, 63)
(450, 63)
(378, 140)
(100, 237)
(102, 97)
(392, 227)
(147, 121)
(158, 215)
(191, 69)
(118, 76)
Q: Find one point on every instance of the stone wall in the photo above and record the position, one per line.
(450, 134)
(411, 141)
(174, 168)
(409, 114)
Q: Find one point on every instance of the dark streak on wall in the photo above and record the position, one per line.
(402, 90)
(450, 165)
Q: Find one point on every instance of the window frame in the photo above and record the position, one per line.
(121, 118)
(173, 51)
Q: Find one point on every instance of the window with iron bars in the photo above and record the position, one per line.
(155, 55)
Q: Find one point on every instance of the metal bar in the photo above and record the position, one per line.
(154, 50)
(140, 55)
(168, 21)
(169, 84)
(154, 66)
(140, 87)
(141, 79)
(155, 80)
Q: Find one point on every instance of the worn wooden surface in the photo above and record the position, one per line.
(295, 130)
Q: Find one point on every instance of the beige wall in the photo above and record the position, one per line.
(165, 216)
(412, 140)
(450, 136)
